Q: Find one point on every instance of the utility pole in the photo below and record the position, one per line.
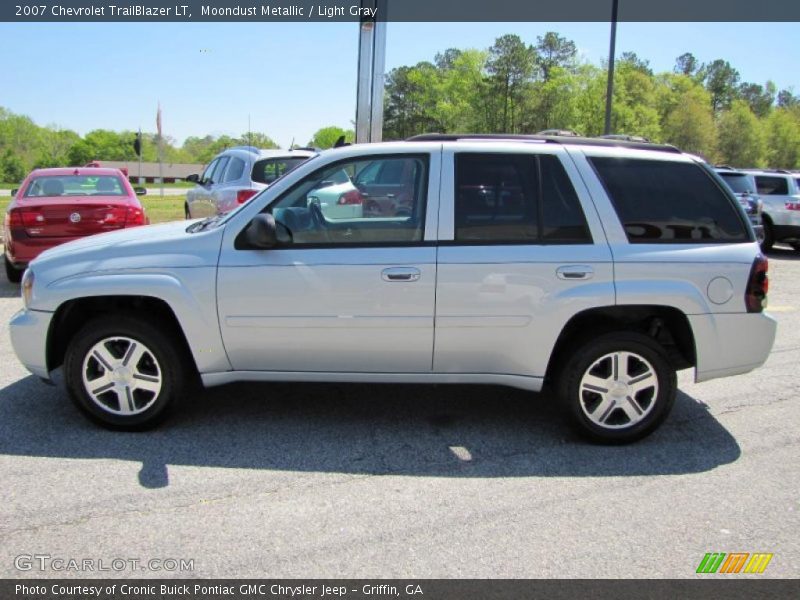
(611, 51)
(371, 66)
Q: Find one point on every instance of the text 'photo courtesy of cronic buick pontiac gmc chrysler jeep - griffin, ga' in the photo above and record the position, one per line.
(597, 268)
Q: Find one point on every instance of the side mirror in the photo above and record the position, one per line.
(14, 192)
(140, 191)
(261, 233)
(194, 178)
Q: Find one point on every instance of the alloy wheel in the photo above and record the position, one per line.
(618, 390)
(122, 376)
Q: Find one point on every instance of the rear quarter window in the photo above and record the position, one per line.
(669, 202)
(772, 186)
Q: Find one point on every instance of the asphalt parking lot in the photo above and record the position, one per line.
(279, 480)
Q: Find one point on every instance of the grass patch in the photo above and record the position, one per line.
(163, 210)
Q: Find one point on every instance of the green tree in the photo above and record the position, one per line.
(760, 99)
(686, 64)
(327, 136)
(687, 120)
(783, 139)
(722, 81)
(554, 51)
(11, 168)
(259, 140)
(787, 99)
(511, 66)
(741, 143)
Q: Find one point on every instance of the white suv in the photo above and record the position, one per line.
(780, 193)
(600, 267)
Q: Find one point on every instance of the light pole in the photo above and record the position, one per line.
(611, 49)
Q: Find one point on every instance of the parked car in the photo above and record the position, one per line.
(236, 175)
(53, 206)
(743, 185)
(595, 267)
(780, 193)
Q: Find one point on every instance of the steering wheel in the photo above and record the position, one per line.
(318, 219)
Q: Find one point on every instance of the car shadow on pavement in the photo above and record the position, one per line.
(7, 289)
(428, 430)
(783, 252)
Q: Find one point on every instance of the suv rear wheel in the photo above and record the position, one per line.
(769, 237)
(123, 372)
(618, 387)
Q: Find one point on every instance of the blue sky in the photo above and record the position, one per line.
(293, 78)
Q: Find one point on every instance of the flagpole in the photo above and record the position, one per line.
(139, 180)
(160, 153)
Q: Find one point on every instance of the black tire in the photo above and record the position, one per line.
(13, 274)
(769, 237)
(171, 365)
(589, 360)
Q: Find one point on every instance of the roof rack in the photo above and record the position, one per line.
(725, 167)
(559, 132)
(624, 137)
(548, 139)
(757, 170)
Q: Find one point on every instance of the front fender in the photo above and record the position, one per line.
(189, 292)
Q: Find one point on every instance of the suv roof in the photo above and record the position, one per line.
(267, 153)
(548, 139)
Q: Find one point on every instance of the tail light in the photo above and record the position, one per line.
(13, 218)
(31, 217)
(135, 217)
(351, 197)
(243, 196)
(793, 206)
(755, 297)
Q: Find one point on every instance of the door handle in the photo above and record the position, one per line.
(575, 272)
(400, 274)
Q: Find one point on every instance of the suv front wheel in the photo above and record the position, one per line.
(618, 387)
(124, 373)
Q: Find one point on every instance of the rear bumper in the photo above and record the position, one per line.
(22, 250)
(28, 329)
(731, 344)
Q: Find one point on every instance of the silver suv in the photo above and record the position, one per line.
(599, 267)
(236, 175)
(743, 185)
(780, 193)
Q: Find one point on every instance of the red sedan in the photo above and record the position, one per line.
(53, 206)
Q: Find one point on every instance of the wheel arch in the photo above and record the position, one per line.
(73, 314)
(666, 324)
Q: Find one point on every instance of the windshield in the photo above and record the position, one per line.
(738, 182)
(75, 185)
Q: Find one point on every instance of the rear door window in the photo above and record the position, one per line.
(235, 170)
(216, 176)
(516, 198)
(661, 201)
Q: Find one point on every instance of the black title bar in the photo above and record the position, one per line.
(708, 588)
(396, 10)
